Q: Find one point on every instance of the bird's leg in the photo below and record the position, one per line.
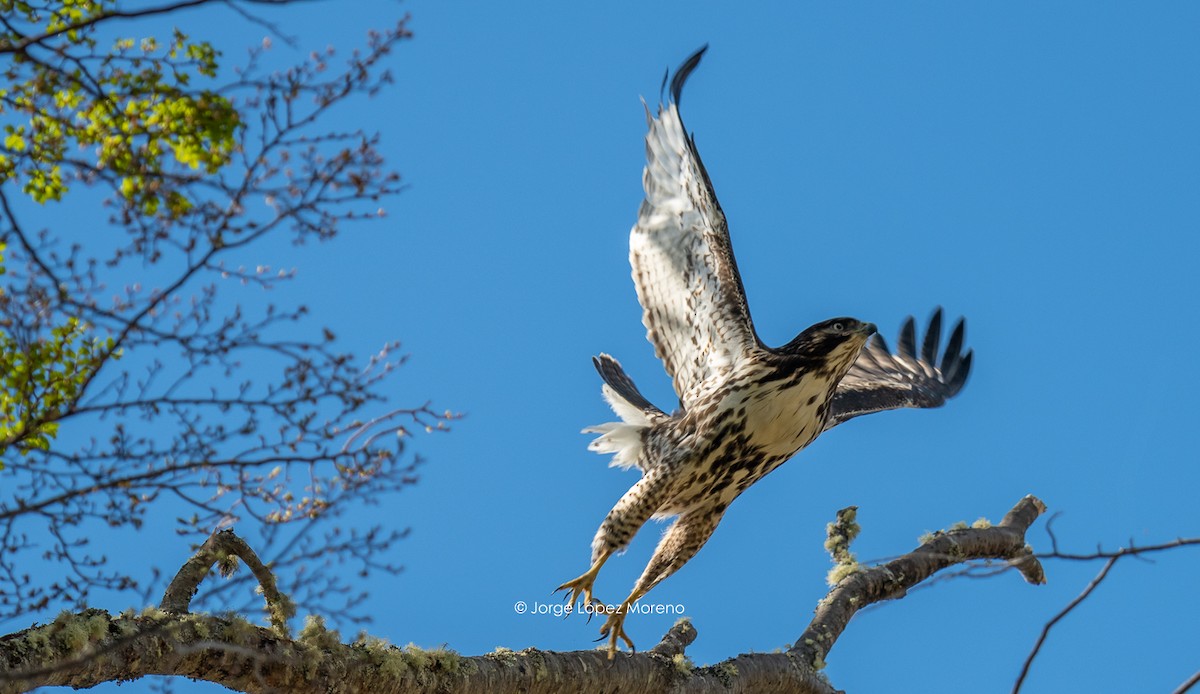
(680, 543)
(632, 511)
(582, 586)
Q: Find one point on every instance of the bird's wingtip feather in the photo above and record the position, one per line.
(683, 72)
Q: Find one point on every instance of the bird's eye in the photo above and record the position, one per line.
(839, 327)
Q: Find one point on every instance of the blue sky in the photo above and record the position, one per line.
(1034, 167)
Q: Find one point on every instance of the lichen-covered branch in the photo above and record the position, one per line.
(224, 548)
(85, 649)
(82, 650)
(893, 579)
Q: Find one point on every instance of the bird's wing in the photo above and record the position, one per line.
(694, 306)
(880, 380)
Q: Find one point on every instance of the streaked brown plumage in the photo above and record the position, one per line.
(745, 408)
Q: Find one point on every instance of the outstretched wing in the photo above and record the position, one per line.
(694, 306)
(879, 380)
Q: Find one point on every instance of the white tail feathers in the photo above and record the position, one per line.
(623, 439)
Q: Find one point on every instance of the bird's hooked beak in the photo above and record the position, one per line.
(866, 329)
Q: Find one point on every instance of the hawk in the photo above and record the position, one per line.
(745, 408)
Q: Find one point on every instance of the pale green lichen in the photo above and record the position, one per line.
(227, 564)
(199, 624)
(97, 626)
(374, 644)
(315, 634)
(38, 639)
(504, 655)
(75, 632)
(238, 628)
(683, 664)
(843, 531)
(419, 657)
(929, 537)
(389, 659)
(154, 614)
(841, 572)
(839, 535)
(126, 623)
(398, 662)
(960, 525)
(68, 633)
(981, 524)
(442, 658)
(279, 612)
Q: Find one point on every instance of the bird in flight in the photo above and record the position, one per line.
(745, 408)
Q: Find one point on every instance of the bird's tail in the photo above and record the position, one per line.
(624, 438)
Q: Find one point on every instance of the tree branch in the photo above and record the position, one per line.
(220, 548)
(893, 579)
(85, 649)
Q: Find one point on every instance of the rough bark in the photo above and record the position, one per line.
(93, 646)
(892, 580)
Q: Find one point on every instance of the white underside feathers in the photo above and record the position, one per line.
(624, 438)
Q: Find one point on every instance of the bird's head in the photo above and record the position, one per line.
(835, 342)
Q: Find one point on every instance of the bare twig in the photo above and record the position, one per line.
(1110, 560)
(1130, 551)
(1049, 625)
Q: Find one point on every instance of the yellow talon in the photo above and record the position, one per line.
(614, 628)
(582, 586)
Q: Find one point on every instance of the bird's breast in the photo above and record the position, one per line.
(781, 415)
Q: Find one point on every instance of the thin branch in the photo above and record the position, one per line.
(25, 243)
(1049, 625)
(21, 46)
(1132, 550)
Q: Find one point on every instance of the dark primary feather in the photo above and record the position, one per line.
(880, 380)
(933, 335)
(684, 71)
